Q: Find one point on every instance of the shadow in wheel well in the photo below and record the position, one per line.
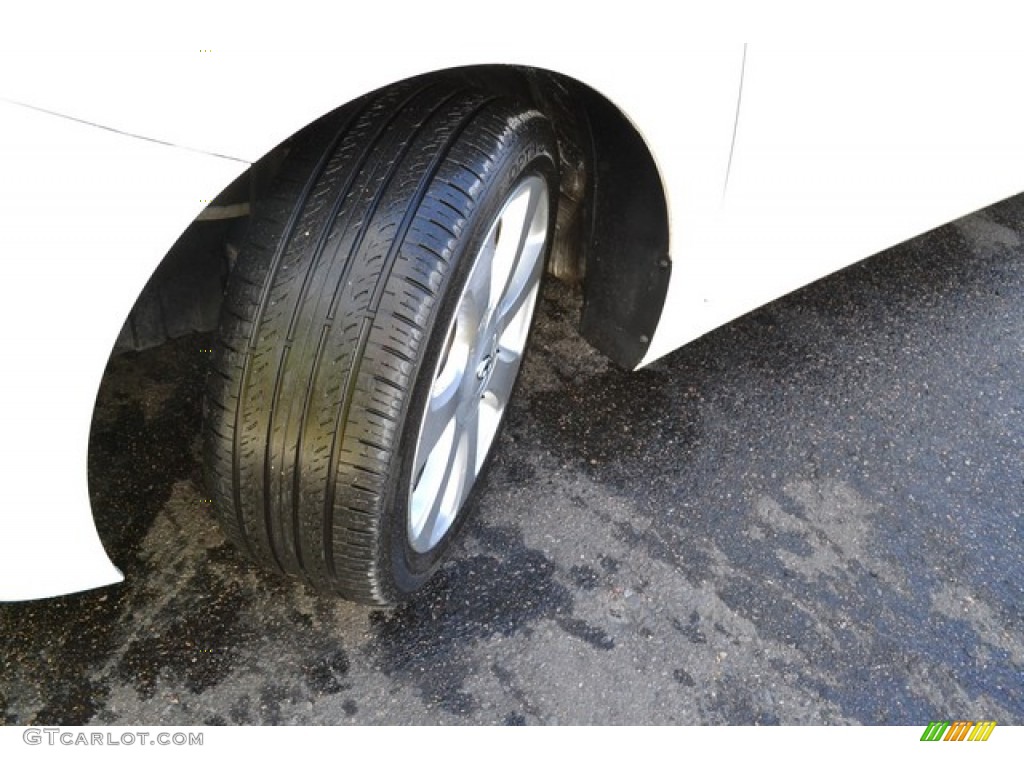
(626, 238)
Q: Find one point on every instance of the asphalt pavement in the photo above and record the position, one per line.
(811, 515)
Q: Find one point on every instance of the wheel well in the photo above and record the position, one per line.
(612, 233)
(622, 241)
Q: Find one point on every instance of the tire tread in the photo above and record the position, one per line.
(324, 319)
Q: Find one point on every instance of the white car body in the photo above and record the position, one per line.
(779, 167)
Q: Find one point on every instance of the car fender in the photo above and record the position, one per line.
(88, 213)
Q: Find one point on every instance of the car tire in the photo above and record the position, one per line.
(372, 331)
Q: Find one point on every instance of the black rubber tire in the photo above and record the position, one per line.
(334, 315)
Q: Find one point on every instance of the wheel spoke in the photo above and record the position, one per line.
(514, 222)
(429, 494)
(440, 412)
(476, 301)
(515, 307)
(527, 237)
(520, 292)
(506, 367)
(426, 534)
(514, 326)
(491, 408)
(471, 430)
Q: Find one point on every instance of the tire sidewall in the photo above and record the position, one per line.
(529, 150)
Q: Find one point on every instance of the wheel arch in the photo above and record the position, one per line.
(623, 260)
(612, 233)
